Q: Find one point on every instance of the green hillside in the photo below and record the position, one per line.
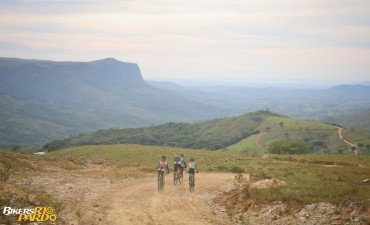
(214, 134)
(250, 133)
(320, 137)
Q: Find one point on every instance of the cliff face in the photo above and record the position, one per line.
(33, 79)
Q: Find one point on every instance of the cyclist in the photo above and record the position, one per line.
(163, 166)
(191, 169)
(179, 164)
(175, 161)
(182, 163)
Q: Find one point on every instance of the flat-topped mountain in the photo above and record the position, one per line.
(48, 80)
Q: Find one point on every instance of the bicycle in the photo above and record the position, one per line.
(177, 177)
(191, 181)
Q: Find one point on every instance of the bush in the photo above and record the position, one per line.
(236, 169)
(5, 171)
(288, 147)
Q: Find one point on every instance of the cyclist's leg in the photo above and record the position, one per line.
(192, 178)
(160, 173)
(161, 180)
(176, 169)
(181, 169)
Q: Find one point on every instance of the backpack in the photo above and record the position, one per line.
(162, 164)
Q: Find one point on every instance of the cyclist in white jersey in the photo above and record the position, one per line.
(179, 163)
(191, 168)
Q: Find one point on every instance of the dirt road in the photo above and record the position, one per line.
(139, 202)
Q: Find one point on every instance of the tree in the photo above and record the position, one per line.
(15, 148)
(49, 147)
(288, 147)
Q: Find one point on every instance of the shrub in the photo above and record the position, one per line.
(288, 147)
(236, 169)
(5, 171)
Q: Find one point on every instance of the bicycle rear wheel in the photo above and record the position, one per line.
(191, 183)
(180, 178)
(175, 177)
(161, 183)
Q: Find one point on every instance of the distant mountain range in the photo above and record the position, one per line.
(43, 100)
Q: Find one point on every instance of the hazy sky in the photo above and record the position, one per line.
(247, 39)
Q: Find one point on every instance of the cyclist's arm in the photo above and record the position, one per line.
(168, 169)
(196, 168)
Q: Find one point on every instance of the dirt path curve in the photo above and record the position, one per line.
(258, 141)
(141, 203)
(340, 130)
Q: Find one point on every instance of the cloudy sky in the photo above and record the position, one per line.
(300, 40)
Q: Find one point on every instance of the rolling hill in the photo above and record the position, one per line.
(235, 134)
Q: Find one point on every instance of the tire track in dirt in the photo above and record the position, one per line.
(140, 203)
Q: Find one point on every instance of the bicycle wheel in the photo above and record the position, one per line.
(191, 183)
(175, 178)
(160, 183)
(180, 178)
(163, 182)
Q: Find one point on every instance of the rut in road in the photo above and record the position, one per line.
(141, 203)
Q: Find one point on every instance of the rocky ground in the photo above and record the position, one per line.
(101, 192)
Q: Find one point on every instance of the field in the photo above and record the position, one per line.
(116, 183)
